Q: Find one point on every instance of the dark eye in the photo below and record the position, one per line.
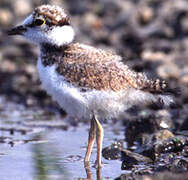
(39, 22)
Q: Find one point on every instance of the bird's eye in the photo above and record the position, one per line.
(39, 22)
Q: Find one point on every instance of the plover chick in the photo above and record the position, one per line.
(86, 82)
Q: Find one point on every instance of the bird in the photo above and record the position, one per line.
(87, 82)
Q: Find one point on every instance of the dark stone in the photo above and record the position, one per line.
(112, 152)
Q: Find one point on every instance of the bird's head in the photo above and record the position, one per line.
(46, 24)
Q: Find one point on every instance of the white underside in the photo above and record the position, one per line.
(84, 104)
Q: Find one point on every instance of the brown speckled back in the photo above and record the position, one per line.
(90, 68)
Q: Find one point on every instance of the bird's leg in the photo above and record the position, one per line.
(99, 137)
(91, 139)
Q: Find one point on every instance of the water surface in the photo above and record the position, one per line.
(35, 148)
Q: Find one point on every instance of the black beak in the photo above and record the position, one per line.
(19, 30)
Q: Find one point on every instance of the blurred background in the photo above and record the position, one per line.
(150, 35)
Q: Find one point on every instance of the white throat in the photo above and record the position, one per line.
(61, 35)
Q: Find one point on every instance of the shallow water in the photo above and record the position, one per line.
(34, 148)
(52, 153)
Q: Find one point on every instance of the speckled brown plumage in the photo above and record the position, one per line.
(90, 68)
(53, 15)
(82, 54)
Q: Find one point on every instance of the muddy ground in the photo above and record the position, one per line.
(147, 143)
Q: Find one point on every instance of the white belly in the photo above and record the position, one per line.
(68, 97)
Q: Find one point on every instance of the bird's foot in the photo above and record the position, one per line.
(97, 165)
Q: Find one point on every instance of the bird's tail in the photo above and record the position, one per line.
(160, 87)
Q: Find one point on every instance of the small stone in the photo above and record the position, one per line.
(8, 66)
(130, 159)
(31, 69)
(93, 21)
(112, 152)
(184, 79)
(165, 120)
(168, 70)
(184, 75)
(22, 7)
(146, 14)
(163, 135)
(6, 16)
(153, 56)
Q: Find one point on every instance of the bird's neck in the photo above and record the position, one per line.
(51, 48)
(51, 54)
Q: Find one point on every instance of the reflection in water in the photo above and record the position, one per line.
(88, 170)
(89, 174)
(46, 162)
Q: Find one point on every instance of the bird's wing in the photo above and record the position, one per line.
(98, 76)
(92, 68)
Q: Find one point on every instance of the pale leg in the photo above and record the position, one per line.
(99, 136)
(91, 139)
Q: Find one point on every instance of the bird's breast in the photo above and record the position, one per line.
(68, 97)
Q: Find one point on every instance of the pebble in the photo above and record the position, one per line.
(163, 135)
(22, 7)
(153, 56)
(93, 21)
(184, 75)
(6, 17)
(8, 66)
(165, 119)
(169, 70)
(146, 14)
